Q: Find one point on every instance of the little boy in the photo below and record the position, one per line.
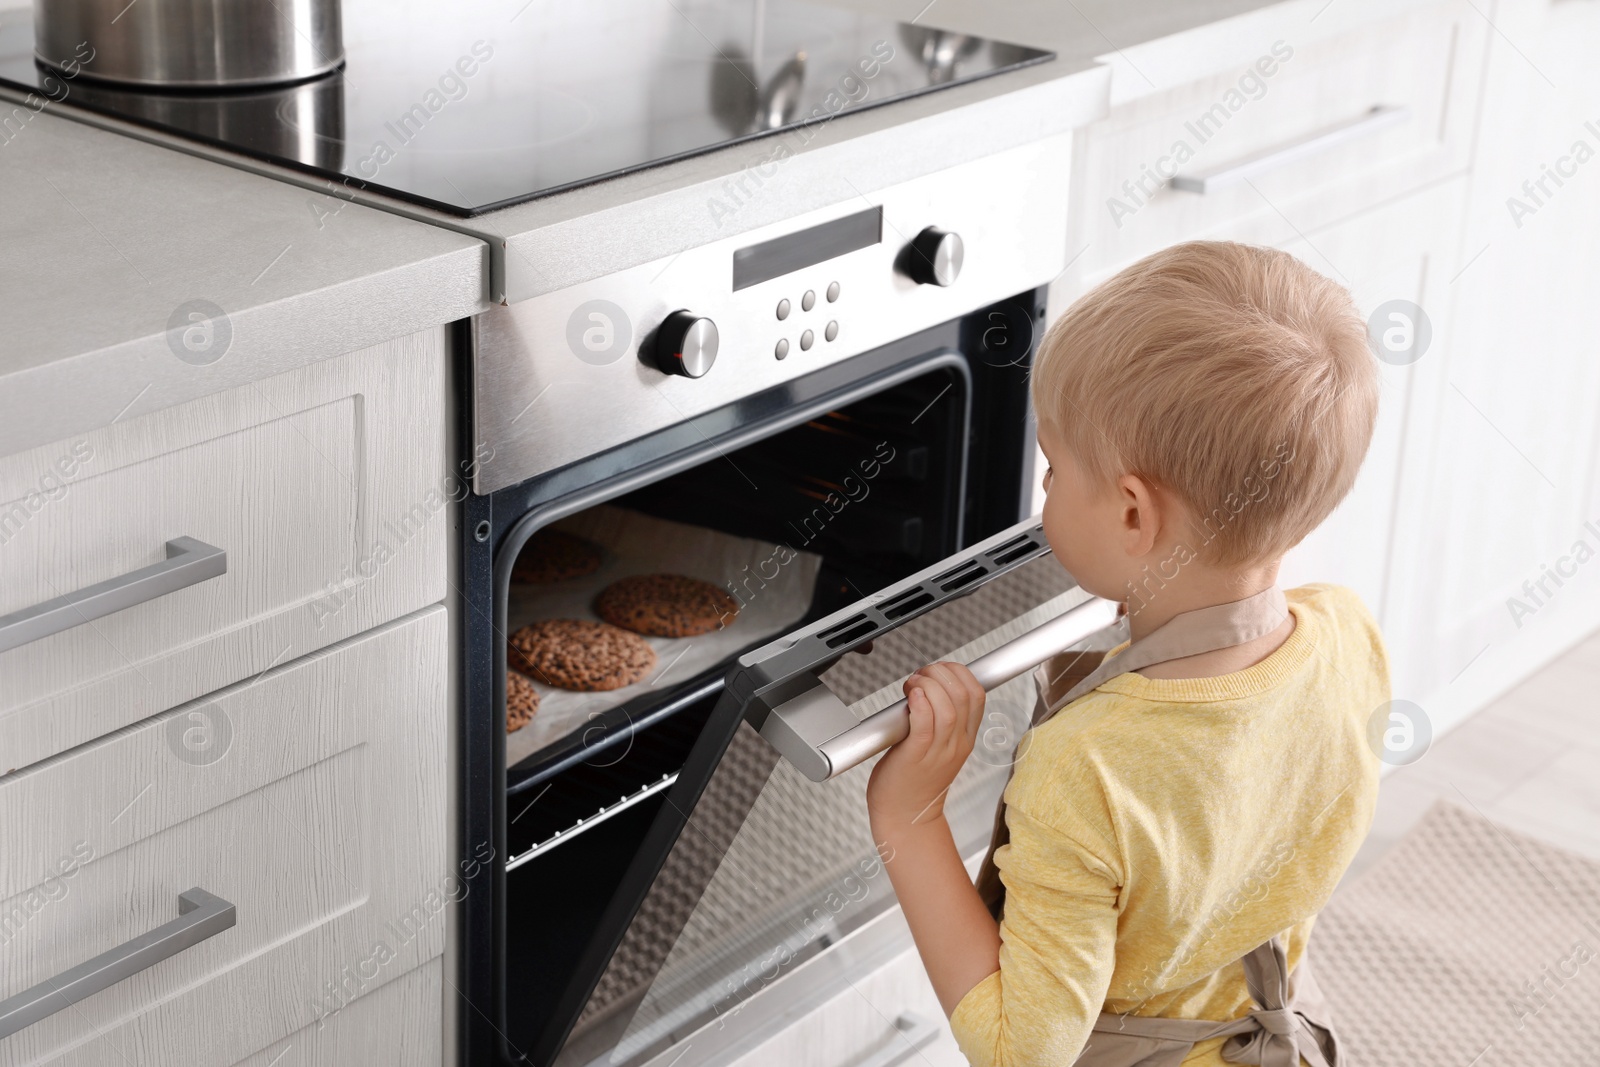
(1175, 827)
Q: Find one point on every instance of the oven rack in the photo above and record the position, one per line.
(561, 837)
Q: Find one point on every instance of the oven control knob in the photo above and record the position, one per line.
(933, 257)
(686, 344)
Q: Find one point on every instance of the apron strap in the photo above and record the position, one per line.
(1189, 633)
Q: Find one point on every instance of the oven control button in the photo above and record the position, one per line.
(933, 257)
(686, 344)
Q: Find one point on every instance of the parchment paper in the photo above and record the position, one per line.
(639, 544)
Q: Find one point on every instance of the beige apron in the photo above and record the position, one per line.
(1289, 1020)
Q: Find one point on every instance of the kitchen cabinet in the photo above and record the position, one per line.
(1380, 211)
(273, 734)
(883, 1018)
(1310, 132)
(1285, 145)
(311, 798)
(866, 1002)
(326, 487)
(1477, 511)
(1401, 251)
(396, 1025)
(1506, 515)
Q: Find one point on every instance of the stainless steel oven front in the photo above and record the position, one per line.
(810, 415)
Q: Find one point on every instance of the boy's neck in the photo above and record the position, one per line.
(1194, 588)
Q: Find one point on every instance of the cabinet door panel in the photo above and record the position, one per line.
(1273, 118)
(886, 1012)
(311, 798)
(1392, 253)
(326, 487)
(1508, 530)
(396, 1025)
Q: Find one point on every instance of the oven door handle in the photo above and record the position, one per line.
(816, 732)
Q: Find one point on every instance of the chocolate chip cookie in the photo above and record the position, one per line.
(553, 556)
(580, 655)
(522, 700)
(666, 605)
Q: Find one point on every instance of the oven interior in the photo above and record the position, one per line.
(577, 810)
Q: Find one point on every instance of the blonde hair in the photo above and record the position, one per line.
(1235, 377)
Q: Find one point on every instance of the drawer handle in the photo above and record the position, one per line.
(1379, 118)
(188, 562)
(912, 1033)
(200, 915)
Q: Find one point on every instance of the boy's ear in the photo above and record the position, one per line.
(1141, 515)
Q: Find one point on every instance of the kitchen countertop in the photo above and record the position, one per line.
(106, 235)
(104, 238)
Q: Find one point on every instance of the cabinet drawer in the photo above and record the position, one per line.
(397, 1025)
(324, 487)
(1288, 144)
(311, 798)
(887, 1017)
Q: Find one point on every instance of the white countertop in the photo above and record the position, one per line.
(104, 237)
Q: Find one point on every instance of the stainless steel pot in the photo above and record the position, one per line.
(190, 43)
(303, 122)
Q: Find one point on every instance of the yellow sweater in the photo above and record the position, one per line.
(1161, 829)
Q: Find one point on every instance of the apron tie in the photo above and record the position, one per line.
(1280, 1031)
(1280, 1036)
(1275, 1044)
(1277, 1021)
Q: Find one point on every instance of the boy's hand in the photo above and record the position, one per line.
(908, 785)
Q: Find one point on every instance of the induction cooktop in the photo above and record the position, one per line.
(471, 105)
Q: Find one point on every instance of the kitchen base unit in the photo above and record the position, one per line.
(309, 801)
(321, 496)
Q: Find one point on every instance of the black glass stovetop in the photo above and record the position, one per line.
(471, 105)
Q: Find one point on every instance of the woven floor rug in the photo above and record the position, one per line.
(1466, 945)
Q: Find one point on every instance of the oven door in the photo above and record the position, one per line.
(751, 865)
(564, 836)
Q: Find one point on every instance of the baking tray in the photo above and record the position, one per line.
(634, 543)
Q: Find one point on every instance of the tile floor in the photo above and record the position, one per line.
(1530, 761)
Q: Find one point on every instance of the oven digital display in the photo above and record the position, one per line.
(796, 251)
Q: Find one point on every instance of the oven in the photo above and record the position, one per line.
(828, 418)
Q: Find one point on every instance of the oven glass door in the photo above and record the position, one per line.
(758, 869)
